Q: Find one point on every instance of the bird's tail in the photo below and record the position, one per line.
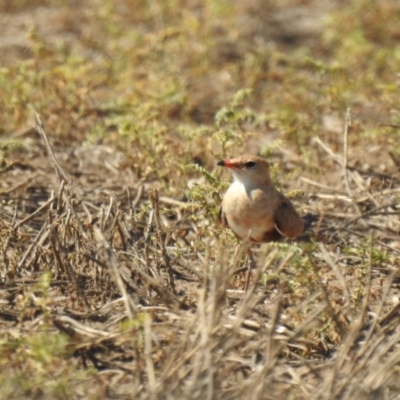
(309, 219)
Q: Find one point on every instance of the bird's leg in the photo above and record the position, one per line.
(251, 263)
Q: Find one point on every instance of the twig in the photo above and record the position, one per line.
(33, 215)
(337, 271)
(377, 241)
(365, 214)
(71, 207)
(60, 198)
(319, 185)
(394, 311)
(40, 127)
(325, 147)
(22, 183)
(122, 230)
(147, 354)
(32, 245)
(367, 296)
(154, 198)
(113, 268)
(110, 207)
(339, 321)
(137, 197)
(57, 247)
(70, 271)
(357, 361)
(182, 204)
(84, 329)
(347, 125)
(343, 162)
(250, 299)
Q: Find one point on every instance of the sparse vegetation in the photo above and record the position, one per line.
(116, 280)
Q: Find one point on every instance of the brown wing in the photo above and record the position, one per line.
(287, 221)
(272, 236)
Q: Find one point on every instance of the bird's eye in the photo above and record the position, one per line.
(250, 164)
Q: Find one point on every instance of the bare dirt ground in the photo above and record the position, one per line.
(116, 281)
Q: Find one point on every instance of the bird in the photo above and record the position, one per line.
(253, 208)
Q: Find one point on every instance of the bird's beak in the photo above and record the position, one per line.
(227, 163)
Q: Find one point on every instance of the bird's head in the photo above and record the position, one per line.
(249, 170)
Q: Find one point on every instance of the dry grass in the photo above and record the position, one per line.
(116, 282)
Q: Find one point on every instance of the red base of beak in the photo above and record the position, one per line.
(227, 163)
